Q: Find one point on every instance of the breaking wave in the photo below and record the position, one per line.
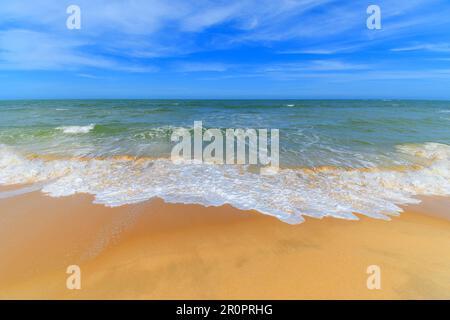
(289, 195)
(77, 129)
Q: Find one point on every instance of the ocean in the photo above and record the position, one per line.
(337, 157)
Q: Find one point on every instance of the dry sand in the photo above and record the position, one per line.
(160, 251)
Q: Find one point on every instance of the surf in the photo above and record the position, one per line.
(290, 195)
(76, 129)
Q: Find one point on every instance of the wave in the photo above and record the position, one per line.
(289, 195)
(77, 129)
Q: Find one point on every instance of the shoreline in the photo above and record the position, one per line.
(156, 250)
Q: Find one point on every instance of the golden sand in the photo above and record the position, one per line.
(157, 251)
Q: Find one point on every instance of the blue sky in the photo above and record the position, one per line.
(224, 49)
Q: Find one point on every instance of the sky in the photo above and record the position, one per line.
(279, 49)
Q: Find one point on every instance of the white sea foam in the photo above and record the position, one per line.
(76, 129)
(428, 151)
(288, 195)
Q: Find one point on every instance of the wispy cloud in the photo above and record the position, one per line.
(309, 51)
(432, 47)
(31, 50)
(329, 49)
(147, 36)
(315, 65)
(25, 49)
(201, 67)
(347, 76)
(89, 76)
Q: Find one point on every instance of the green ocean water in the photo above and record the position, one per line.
(312, 133)
(340, 134)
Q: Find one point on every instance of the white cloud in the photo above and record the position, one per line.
(316, 65)
(24, 49)
(202, 19)
(437, 47)
(33, 33)
(201, 67)
(30, 50)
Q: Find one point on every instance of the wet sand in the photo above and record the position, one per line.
(156, 250)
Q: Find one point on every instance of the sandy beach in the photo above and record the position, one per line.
(155, 250)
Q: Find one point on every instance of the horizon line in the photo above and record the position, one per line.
(218, 99)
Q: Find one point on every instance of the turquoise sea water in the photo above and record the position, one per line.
(337, 157)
